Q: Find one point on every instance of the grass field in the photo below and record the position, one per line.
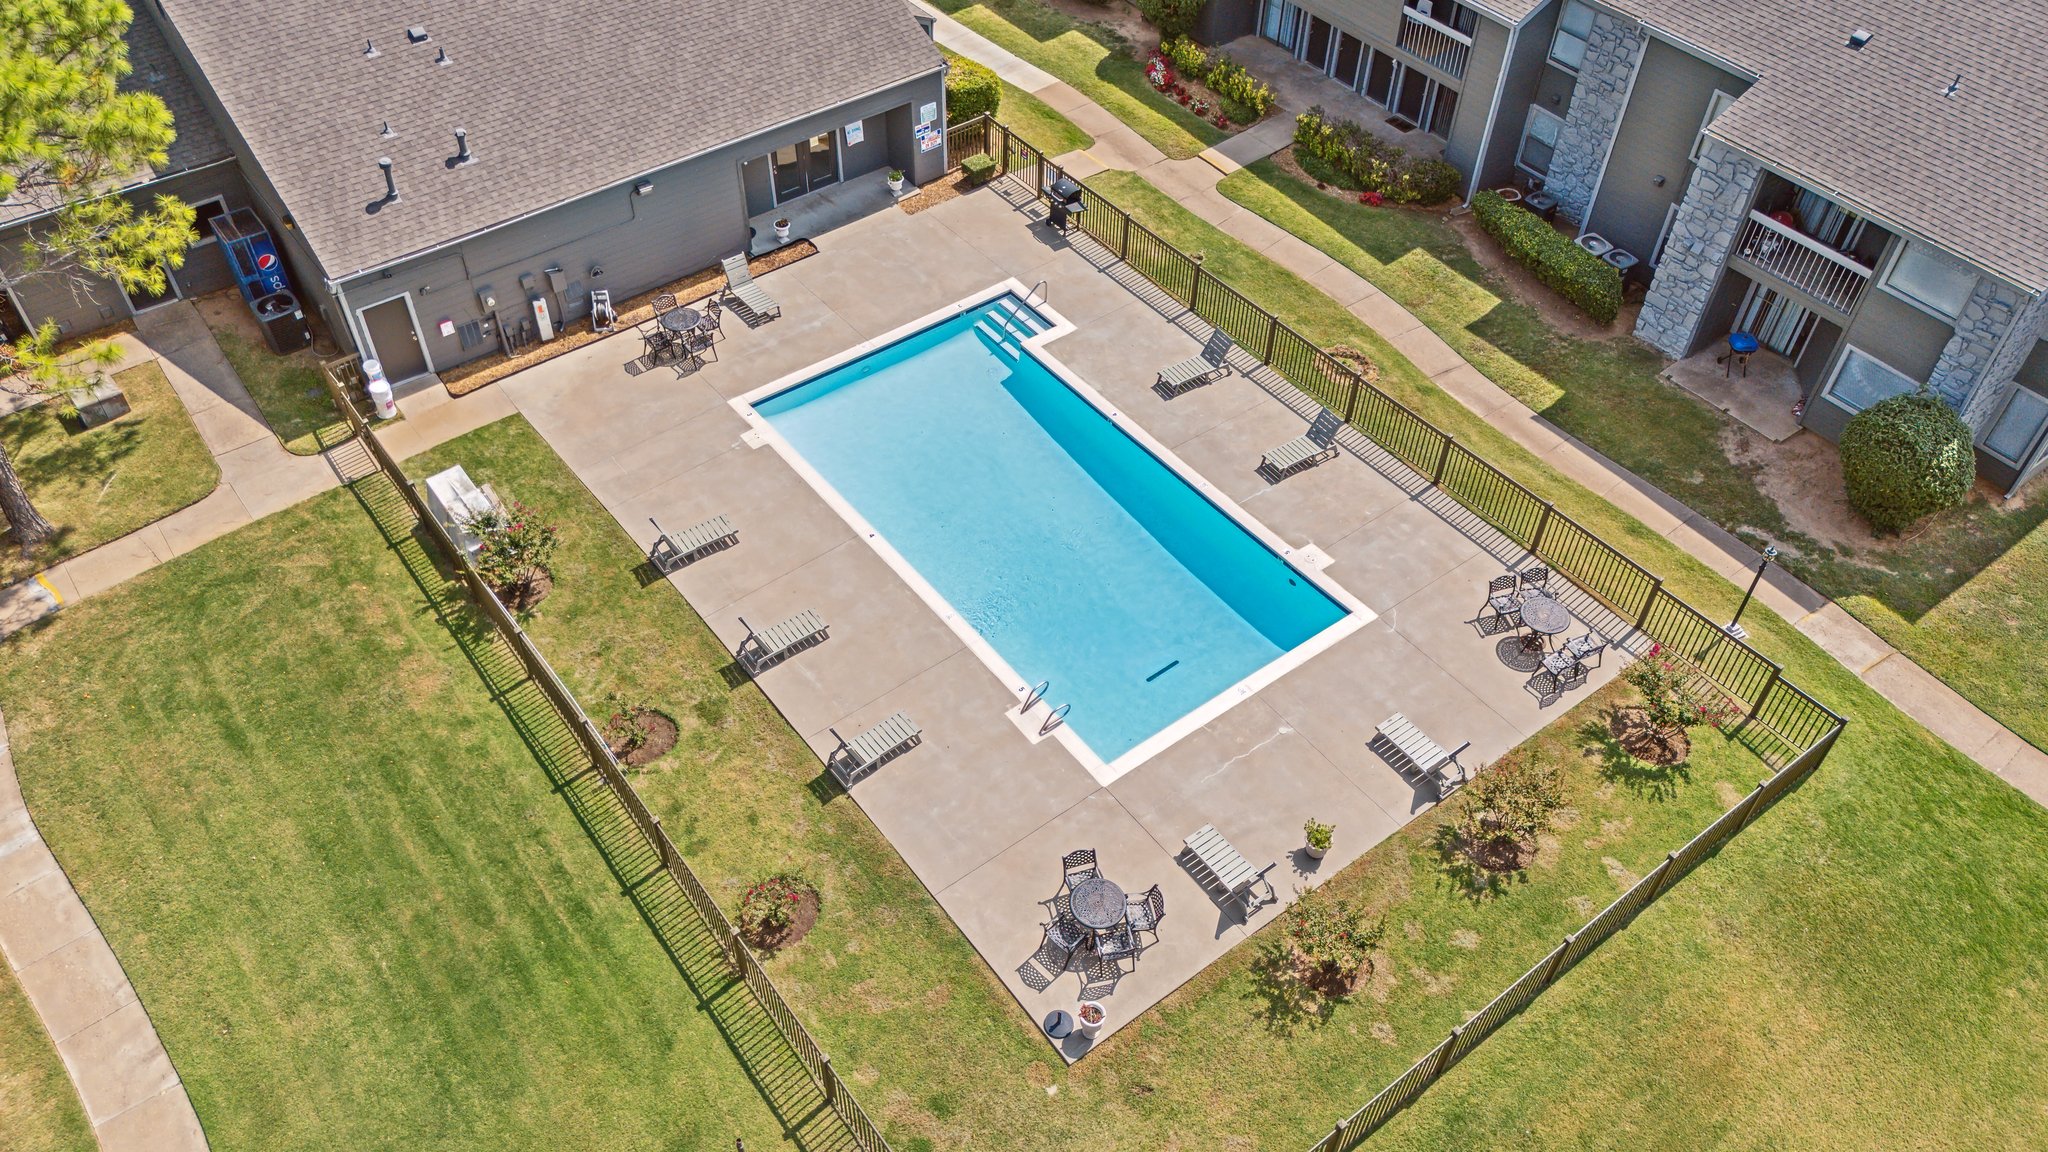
(1955, 598)
(287, 388)
(96, 484)
(1034, 119)
(1095, 60)
(361, 913)
(39, 1110)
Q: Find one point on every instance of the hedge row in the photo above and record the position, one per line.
(1373, 164)
(1224, 76)
(1173, 18)
(1590, 283)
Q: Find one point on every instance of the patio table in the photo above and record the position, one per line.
(1545, 617)
(1098, 903)
(680, 319)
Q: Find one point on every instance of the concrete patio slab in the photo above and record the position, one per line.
(1396, 553)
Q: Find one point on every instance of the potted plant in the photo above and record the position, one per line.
(1090, 1017)
(1318, 834)
(895, 179)
(782, 229)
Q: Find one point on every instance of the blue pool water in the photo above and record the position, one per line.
(1078, 555)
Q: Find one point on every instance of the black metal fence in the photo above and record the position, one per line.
(344, 382)
(1790, 730)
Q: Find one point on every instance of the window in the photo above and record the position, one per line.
(1443, 108)
(1449, 13)
(1574, 26)
(1862, 380)
(1929, 278)
(203, 214)
(2014, 433)
(1716, 104)
(1277, 23)
(1539, 141)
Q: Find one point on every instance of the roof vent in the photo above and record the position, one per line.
(390, 182)
(370, 50)
(442, 59)
(385, 133)
(417, 34)
(1954, 85)
(1859, 38)
(462, 152)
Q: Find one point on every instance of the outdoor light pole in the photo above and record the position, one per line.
(1735, 626)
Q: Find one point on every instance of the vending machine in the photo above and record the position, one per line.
(260, 272)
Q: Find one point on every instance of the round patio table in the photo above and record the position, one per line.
(1545, 617)
(680, 319)
(1098, 903)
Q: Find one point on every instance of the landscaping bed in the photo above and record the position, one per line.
(99, 484)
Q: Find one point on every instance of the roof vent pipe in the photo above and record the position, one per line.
(390, 182)
(370, 50)
(462, 153)
(385, 133)
(1954, 85)
(442, 57)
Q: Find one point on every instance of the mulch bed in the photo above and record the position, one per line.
(803, 916)
(489, 369)
(657, 735)
(1358, 362)
(1646, 742)
(536, 591)
(952, 186)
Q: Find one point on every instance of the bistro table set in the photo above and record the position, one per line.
(1093, 920)
(1524, 601)
(680, 333)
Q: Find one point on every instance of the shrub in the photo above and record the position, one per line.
(979, 167)
(1361, 161)
(1331, 941)
(1904, 458)
(768, 907)
(1431, 181)
(1186, 56)
(1173, 18)
(1670, 701)
(1504, 810)
(971, 89)
(1234, 83)
(1590, 283)
(514, 550)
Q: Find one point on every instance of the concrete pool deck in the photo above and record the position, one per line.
(981, 813)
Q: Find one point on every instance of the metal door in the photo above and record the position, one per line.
(394, 342)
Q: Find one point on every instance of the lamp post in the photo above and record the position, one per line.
(1734, 627)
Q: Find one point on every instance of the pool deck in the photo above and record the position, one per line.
(980, 812)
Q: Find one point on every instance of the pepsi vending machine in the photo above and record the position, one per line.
(260, 272)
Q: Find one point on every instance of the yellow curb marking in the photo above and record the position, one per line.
(51, 590)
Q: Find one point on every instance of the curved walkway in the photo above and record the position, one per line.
(1914, 690)
(132, 1094)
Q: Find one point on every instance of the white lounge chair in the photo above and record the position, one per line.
(672, 552)
(1425, 756)
(1304, 451)
(1219, 865)
(864, 753)
(749, 299)
(779, 641)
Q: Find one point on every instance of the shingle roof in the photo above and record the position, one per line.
(1872, 128)
(559, 99)
(1508, 11)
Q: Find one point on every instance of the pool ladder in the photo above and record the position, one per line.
(1034, 696)
(1039, 290)
(1057, 717)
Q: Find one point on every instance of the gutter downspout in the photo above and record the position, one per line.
(1628, 95)
(1500, 88)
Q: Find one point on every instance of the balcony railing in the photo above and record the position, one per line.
(1803, 262)
(1438, 45)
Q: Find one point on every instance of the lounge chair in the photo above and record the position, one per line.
(1425, 756)
(749, 299)
(1213, 363)
(769, 646)
(1304, 451)
(1219, 865)
(871, 749)
(672, 552)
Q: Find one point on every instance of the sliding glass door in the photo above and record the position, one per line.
(1279, 23)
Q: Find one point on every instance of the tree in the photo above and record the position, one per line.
(69, 140)
(1905, 457)
(515, 548)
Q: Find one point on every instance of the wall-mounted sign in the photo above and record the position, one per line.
(927, 114)
(854, 133)
(447, 328)
(928, 138)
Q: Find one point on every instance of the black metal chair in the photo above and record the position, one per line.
(1583, 647)
(1145, 913)
(1536, 580)
(666, 302)
(1502, 601)
(1064, 935)
(1078, 865)
(714, 316)
(695, 343)
(1115, 945)
(659, 343)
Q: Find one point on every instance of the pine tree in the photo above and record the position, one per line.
(69, 139)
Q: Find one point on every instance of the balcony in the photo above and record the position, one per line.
(1828, 276)
(1440, 46)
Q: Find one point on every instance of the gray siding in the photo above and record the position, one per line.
(1482, 75)
(1672, 91)
(1530, 79)
(1891, 330)
(1225, 20)
(624, 243)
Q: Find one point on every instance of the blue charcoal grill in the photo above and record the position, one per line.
(259, 270)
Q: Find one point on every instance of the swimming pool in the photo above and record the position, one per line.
(1045, 526)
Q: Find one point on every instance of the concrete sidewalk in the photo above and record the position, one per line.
(1192, 183)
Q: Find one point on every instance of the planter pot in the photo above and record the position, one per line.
(1081, 1023)
(782, 229)
(1315, 853)
(896, 185)
(1511, 195)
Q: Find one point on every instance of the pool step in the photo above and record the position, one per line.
(982, 326)
(1018, 314)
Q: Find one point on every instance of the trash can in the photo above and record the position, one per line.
(381, 401)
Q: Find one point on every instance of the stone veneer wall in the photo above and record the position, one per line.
(1613, 49)
(1994, 333)
(1716, 202)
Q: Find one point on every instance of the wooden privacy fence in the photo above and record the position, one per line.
(344, 382)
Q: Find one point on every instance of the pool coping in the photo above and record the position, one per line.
(1035, 716)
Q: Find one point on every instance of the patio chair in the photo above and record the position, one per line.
(1426, 757)
(749, 299)
(666, 302)
(1078, 865)
(1212, 363)
(772, 645)
(1064, 935)
(1305, 451)
(714, 316)
(657, 342)
(698, 540)
(871, 749)
(696, 342)
(1585, 646)
(1560, 671)
(1502, 601)
(1217, 864)
(1535, 579)
(1145, 913)
(1115, 945)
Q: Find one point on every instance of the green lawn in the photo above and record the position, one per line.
(1095, 60)
(39, 1110)
(100, 483)
(361, 912)
(1956, 598)
(1035, 120)
(288, 389)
